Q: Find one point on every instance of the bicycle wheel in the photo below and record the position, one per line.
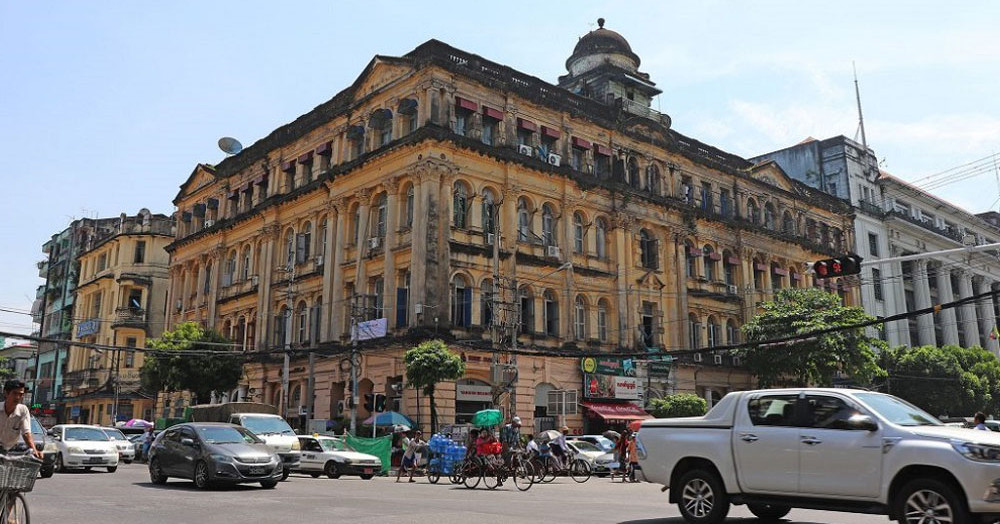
(491, 477)
(18, 511)
(523, 476)
(538, 469)
(550, 468)
(579, 469)
(456, 473)
(433, 477)
(472, 476)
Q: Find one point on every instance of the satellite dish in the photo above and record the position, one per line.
(230, 145)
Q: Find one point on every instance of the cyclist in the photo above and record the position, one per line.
(510, 438)
(560, 449)
(15, 420)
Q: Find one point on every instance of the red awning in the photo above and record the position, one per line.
(551, 133)
(527, 125)
(602, 150)
(324, 149)
(581, 143)
(493, 113)
(617, 411)
(288, 166)
(306, 157)
(466, 104)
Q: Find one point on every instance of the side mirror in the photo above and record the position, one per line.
(187, 442)
(862, 422)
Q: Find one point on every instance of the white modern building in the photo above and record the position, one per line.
(893, 218)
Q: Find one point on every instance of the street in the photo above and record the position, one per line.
(127, 496)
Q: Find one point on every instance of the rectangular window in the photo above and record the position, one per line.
(102, 262)
(706, 197)
(489, 131)
(95, 311)
(695, 335)
(135, 299)
(877, 283)
(129, 354)
(140, 252)
(725, 206)
(772, 410)
(873, 244)
(602, 324)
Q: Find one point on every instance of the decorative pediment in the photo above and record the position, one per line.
(202, 175)
(651, 280)
(770, 173)
(381, 71)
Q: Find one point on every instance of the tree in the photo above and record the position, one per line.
(947, 380)
(429, 363)
(679, 405)
(176, 368)
(814, 361)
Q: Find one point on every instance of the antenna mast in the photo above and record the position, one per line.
(861, 116)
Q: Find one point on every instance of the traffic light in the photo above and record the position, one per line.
(369, 402)
(379, 403)
(838, 267)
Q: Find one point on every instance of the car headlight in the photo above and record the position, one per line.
(75, 450)
(50, 447)
(296, 446)
(977, 452)
(221, 458)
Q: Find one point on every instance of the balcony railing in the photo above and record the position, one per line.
(631, 106)
(129, 316)
(871, 208)
(928, 225)
(238, 288)
(84, 378)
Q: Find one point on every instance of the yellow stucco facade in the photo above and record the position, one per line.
(120, 302)
(619, 234)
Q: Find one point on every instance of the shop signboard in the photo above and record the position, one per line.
(610, 387)
(616, 367)
(659, 369)
(473, 393)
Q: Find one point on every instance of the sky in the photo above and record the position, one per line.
(106, 107)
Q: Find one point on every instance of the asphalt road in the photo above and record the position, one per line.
(127, 496)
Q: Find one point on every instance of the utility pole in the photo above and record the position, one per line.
(289, 315)
(505, 320)
(359, 313)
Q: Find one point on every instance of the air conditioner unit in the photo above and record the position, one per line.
(736, 361)
(254, 280)
(525, 149)
(555, 159)
(418, 308)
(319, 260)
(733, 290)
(374, 242)
(553, 252)
(209, 222)
(341, 405)
(697, 357)
(179, 305)
(718, 359)
(490, 238)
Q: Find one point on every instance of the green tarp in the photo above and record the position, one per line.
(380, 447)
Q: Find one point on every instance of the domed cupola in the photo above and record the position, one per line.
(603, 66)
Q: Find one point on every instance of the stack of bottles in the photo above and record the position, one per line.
(446, 453)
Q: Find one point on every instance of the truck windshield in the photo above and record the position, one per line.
(898, 411)
(266, 425)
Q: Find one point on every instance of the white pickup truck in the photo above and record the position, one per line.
(830, 449)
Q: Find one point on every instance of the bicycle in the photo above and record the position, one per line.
(17, 477)
(548, 467)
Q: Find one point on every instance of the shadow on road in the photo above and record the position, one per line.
(740, 520)
(187, 485)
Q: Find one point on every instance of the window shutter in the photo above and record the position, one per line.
(300, 248)
(401, 307)
(467, 313)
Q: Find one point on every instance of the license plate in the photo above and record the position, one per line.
(258, 470)
(94, 460)
(368, 471)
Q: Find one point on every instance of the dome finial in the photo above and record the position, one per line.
(600, 23)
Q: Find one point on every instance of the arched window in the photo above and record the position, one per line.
(489, 211)
(523, 220)
(379, 216)
(229, 277)
(302, 323)
(769, 216)
(709, 260)
(694, 329)
(787, 224)
(551, 313)
(207, 288)
(601, 237)
(408, 207)
(653, 179)
(580, 318)
(713, 332)
(289, 249)
(407, 111)
(647, 248)
(753, 212)
(633, 174)
(461, 302)
(305, 243)
(578, 239)
(381, 124)
(377, 291)
(602, 319)
(691, 256)
(758, 274)
(728, 269)
(732, 332)
(486, 303)
(548, 226)
(460, 205)
(527, 310)
(245, 275)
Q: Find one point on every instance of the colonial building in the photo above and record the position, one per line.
(120, 300)
(893, 219)
(386, 203)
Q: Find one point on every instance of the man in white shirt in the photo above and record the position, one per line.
(15, 420)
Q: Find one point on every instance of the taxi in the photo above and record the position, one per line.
(334, 458)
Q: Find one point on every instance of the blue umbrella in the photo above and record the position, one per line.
(390, 418)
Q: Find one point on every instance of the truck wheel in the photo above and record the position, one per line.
(929, 500)
(702, 498)
(768, 512)
(284, 473)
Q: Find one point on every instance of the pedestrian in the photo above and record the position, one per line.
(633, 458)
(510, 438)
(147, 442)
(621, 450)
(413, 448)
(980, 420)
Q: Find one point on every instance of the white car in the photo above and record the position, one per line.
(601, 462)
(600, 441)
(126, 449)
(83, 446)
(333, 457)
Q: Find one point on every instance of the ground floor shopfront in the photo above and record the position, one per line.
(549, 391)
(99, 408)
